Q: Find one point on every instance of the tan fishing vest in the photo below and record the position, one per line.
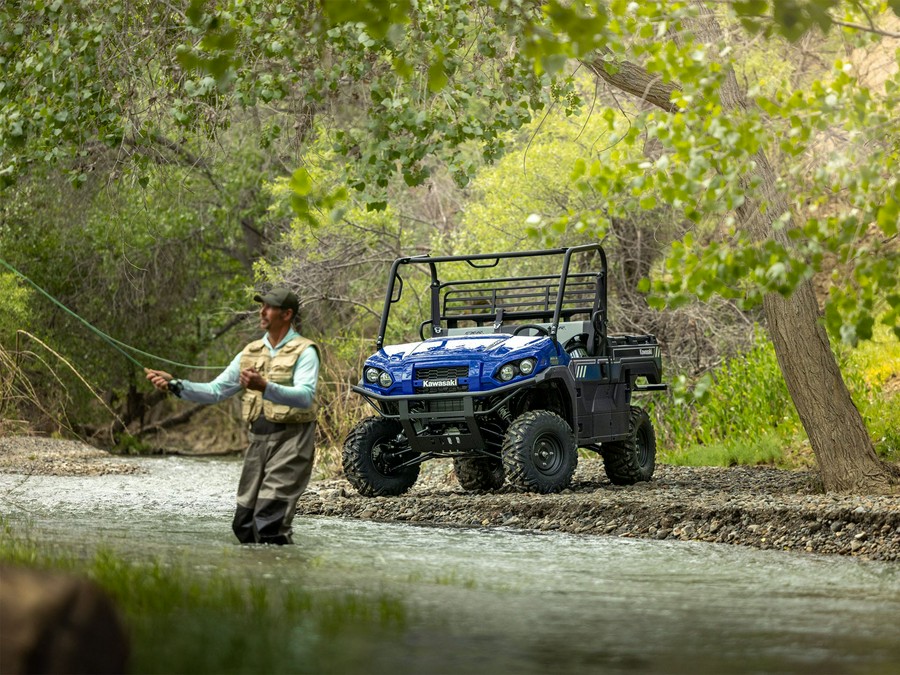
(278, 369)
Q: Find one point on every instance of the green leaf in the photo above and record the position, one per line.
(701, 389)
(437, 76)
(888, 216)
(301, 182)
(792, 20)
(848, 334)
(751, 8)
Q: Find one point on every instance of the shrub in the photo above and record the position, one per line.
(739, 413)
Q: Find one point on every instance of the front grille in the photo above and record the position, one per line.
(446, 405)
(441, 372)
(443, 405)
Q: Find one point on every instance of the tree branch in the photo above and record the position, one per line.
(634, 79)
(171, 421)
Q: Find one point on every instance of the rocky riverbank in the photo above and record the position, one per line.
(760, 507)
(57, 457)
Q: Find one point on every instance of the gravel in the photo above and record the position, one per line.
(58, 457)
(761, 507)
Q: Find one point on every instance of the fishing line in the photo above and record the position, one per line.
(115, 344)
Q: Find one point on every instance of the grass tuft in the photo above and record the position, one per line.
(182, 622)
(765, 450)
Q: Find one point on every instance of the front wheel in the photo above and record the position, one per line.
(539, 453)
(634, 459)
(374, 458)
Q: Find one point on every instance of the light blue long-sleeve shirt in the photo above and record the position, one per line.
(299, 394)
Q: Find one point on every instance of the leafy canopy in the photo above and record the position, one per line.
(407, 85)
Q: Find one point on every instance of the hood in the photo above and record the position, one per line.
(473, 358)
(463, 347)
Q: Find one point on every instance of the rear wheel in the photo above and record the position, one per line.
(634, 459)
(539, 453)
(373, 455)
(479, 473)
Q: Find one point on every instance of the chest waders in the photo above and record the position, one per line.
(278, 462)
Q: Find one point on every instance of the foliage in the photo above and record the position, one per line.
(536, 170)
(706, 156)
(171, 122)
(741, 413)
(745, 399)
(452, 76)
(264, 53)
(873, 375)
(135, 283)
(14, 300)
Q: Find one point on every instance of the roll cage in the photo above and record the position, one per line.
(495, 304)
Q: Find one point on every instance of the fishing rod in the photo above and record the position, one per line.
(113, 342)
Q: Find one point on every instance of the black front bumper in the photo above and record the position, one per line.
(443, 424)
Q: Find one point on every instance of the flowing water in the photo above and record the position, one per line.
(496, 601)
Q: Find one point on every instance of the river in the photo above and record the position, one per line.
(505, 601)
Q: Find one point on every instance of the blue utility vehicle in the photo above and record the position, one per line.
(511, 376)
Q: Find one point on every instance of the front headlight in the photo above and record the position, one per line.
(372, 375)
(527, 366)
(507, 372)
(385, 380)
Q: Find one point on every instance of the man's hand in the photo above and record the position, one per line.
(251, 379)
(158, 378)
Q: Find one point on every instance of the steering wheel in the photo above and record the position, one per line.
(541, 330)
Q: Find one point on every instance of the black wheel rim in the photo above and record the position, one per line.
(642, 447)
(547, 454)
(385, 457)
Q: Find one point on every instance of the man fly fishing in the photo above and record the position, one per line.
(277, 376)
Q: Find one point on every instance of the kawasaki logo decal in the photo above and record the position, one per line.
(448, 382)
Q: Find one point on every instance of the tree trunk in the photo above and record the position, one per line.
(838, 436)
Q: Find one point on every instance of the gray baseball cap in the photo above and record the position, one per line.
(280, 297)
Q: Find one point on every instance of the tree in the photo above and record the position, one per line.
(843, 448)
(697, 84)
(401, 88)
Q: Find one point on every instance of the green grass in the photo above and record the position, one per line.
(766, 450)
(181, 622)
(741, 413)
(872, 372)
